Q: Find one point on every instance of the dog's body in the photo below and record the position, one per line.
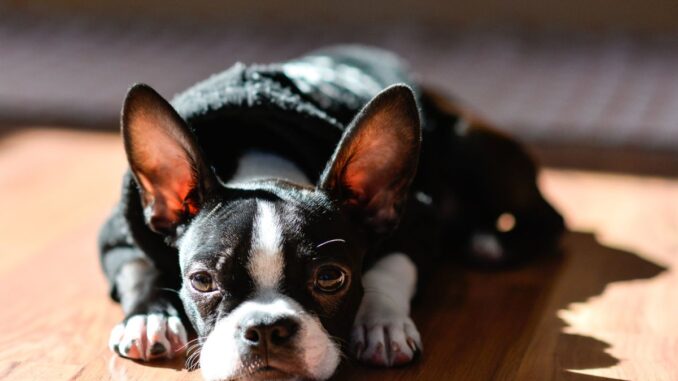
(275, 273)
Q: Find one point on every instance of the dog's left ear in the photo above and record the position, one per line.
(166, 162)
(376, 160)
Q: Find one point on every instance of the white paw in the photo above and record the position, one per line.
(149, 337)
(387, 340)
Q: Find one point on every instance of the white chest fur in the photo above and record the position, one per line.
(257, 165)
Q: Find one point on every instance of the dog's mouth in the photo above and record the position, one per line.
(270, 373)
(276, 370)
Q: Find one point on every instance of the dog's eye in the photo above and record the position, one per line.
(202, 282)
(329, 279)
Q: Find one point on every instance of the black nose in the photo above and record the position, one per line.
(276, 333)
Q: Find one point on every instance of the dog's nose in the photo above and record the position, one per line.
(276, 333)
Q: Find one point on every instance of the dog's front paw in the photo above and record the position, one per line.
(149, 337)
(386, 340)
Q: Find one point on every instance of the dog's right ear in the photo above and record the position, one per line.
(376, 160)
(166, 162)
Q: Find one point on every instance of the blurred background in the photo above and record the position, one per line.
(585, 75)
(591, 86)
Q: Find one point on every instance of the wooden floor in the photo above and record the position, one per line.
(607, 309)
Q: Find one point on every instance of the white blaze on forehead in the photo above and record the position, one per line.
(266, 258)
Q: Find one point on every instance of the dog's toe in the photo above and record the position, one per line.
(157, 345)
(149, 337)
(375, 350)
(402, 346)
(116, 337)
(392, 342)
(133, 342)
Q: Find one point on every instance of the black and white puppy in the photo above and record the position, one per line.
(281, 211)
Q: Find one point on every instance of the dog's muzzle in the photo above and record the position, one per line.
(269, 338)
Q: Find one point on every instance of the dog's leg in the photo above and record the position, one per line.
(152, 328)
(383, 333)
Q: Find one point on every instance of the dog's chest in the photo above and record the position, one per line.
(257, 165)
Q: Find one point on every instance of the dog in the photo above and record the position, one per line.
(284, 213)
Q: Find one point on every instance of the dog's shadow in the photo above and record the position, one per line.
(502, 325)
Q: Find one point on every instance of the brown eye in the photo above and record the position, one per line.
(329, 279)
(202, 282)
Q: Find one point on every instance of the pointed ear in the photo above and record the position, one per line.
(376, 160)
(166, 162)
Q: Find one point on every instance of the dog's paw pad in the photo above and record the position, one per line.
(388, 342)
(149, 337)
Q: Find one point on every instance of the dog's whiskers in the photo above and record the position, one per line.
(194, 350)
(188, 343)
(167, 289)
(193, 361)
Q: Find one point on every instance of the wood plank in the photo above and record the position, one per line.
(36, 371)
(51, 182)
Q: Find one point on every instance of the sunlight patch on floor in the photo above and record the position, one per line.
(635, 317)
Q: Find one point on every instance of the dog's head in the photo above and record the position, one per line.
(272, 269)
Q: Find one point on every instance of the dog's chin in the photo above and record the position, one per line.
(276, 371)
(274, 368)
(287, 369)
